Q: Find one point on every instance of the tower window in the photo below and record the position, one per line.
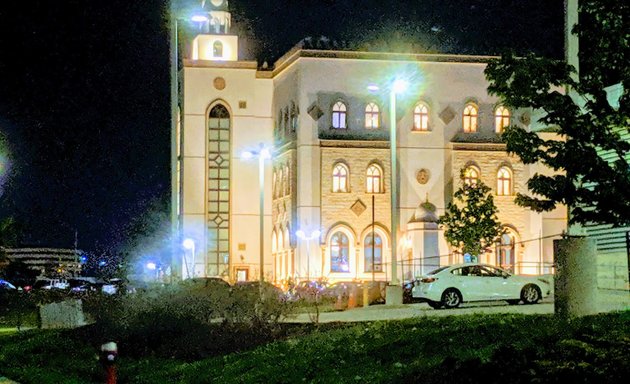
(470, 118)
(217, 49)
(339, 115)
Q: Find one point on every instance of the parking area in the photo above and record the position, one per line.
(608, 300)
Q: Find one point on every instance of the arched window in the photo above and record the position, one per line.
(371, 116)
(421, 118)
(274, 242)
(501, 118)
(217, 49)
(504, 182)
(374, 179)
(339, 253)
(373, 253)
(470, 118)
(218, 203)
(340, 178)
(339, 115)
(505, 252)
(274, 184)
(286, 123)
(471, 175)
(287, 181)
(280, 241)
(294, 117)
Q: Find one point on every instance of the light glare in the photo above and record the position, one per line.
(399, 86)
(188, 243)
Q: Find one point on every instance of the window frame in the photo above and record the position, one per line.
(502, 190)
(372, 116)
(341, 115)
(502, 118)
(367, 261)
(421, 118)
(370, 178)
(470, 121)
(337, 247)
(467, 179)
(337, 178)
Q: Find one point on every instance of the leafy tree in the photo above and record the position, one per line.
(593, 186)
(470, 220)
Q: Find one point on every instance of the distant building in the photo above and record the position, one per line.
(331, 161)
(48, 261)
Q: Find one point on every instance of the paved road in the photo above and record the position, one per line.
(608, 300)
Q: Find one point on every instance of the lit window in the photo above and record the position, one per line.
(280, 241)
(504, 182)
(470, 118)
(339, 252)
(274, 242)
(217, 49)
(339, 115)
(501, 119)
(340, 178)
(471, 176)
(371, 116)
(421, 118)
(374, 177)
(373, 254)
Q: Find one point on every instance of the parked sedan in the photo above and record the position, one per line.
(451, 285)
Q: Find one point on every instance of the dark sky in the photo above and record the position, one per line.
(84, 90)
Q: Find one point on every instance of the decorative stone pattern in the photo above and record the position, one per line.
(219, 83)
(358, 207)
(447, 115)
(422, 176)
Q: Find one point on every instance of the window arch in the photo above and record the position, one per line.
(372, 116)
(287, 238)
(294, 117)
(501, 118)
(339, 117)
(339, 253)
(340, 178)
(218, 163)
(373, 264)
(421, 118)
(280, 240)
(286, 122)
(287, 180)
(506, 255)
(217, 49)
(471, 175)
(274, 242)
(374, 179)
(470, 117)
(504, 181)
(274, 184)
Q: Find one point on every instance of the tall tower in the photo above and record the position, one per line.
(215, 43)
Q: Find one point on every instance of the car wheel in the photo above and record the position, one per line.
(451, 298)
(513, 302)
(434, 304)
(530, 294)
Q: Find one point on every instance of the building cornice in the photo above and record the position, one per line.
(379, 144)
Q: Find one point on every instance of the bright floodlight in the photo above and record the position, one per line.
(188, 243)
(315, 233)
(300, 233)
(265, 154)
(372, 88)
(247, 155)
(399, 86)
(199, 18)
(151, 265)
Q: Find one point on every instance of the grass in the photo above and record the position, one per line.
(454, 349)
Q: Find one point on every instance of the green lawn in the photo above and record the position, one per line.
(455, 349)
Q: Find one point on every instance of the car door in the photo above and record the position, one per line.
(469, 283)
(497, 287)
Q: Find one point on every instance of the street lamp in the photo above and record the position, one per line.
(190, 244)
(262, 154)
(397, 86)
(314, 235)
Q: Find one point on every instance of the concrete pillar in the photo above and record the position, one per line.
(576, 277)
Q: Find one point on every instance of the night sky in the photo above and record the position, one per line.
(84, 91)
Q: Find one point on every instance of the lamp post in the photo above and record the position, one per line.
(314, 235)
(262, 154)
(396, 87)
(190, 244)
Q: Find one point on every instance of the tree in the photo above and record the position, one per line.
(470, 220)
(591, 161)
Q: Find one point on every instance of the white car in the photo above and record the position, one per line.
(451, 285)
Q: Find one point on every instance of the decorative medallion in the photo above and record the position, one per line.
(447, 115)
(422, 176)
(358, 207)
(525, 118)
(219, 83)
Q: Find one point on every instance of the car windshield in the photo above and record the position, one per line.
(437, 271)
